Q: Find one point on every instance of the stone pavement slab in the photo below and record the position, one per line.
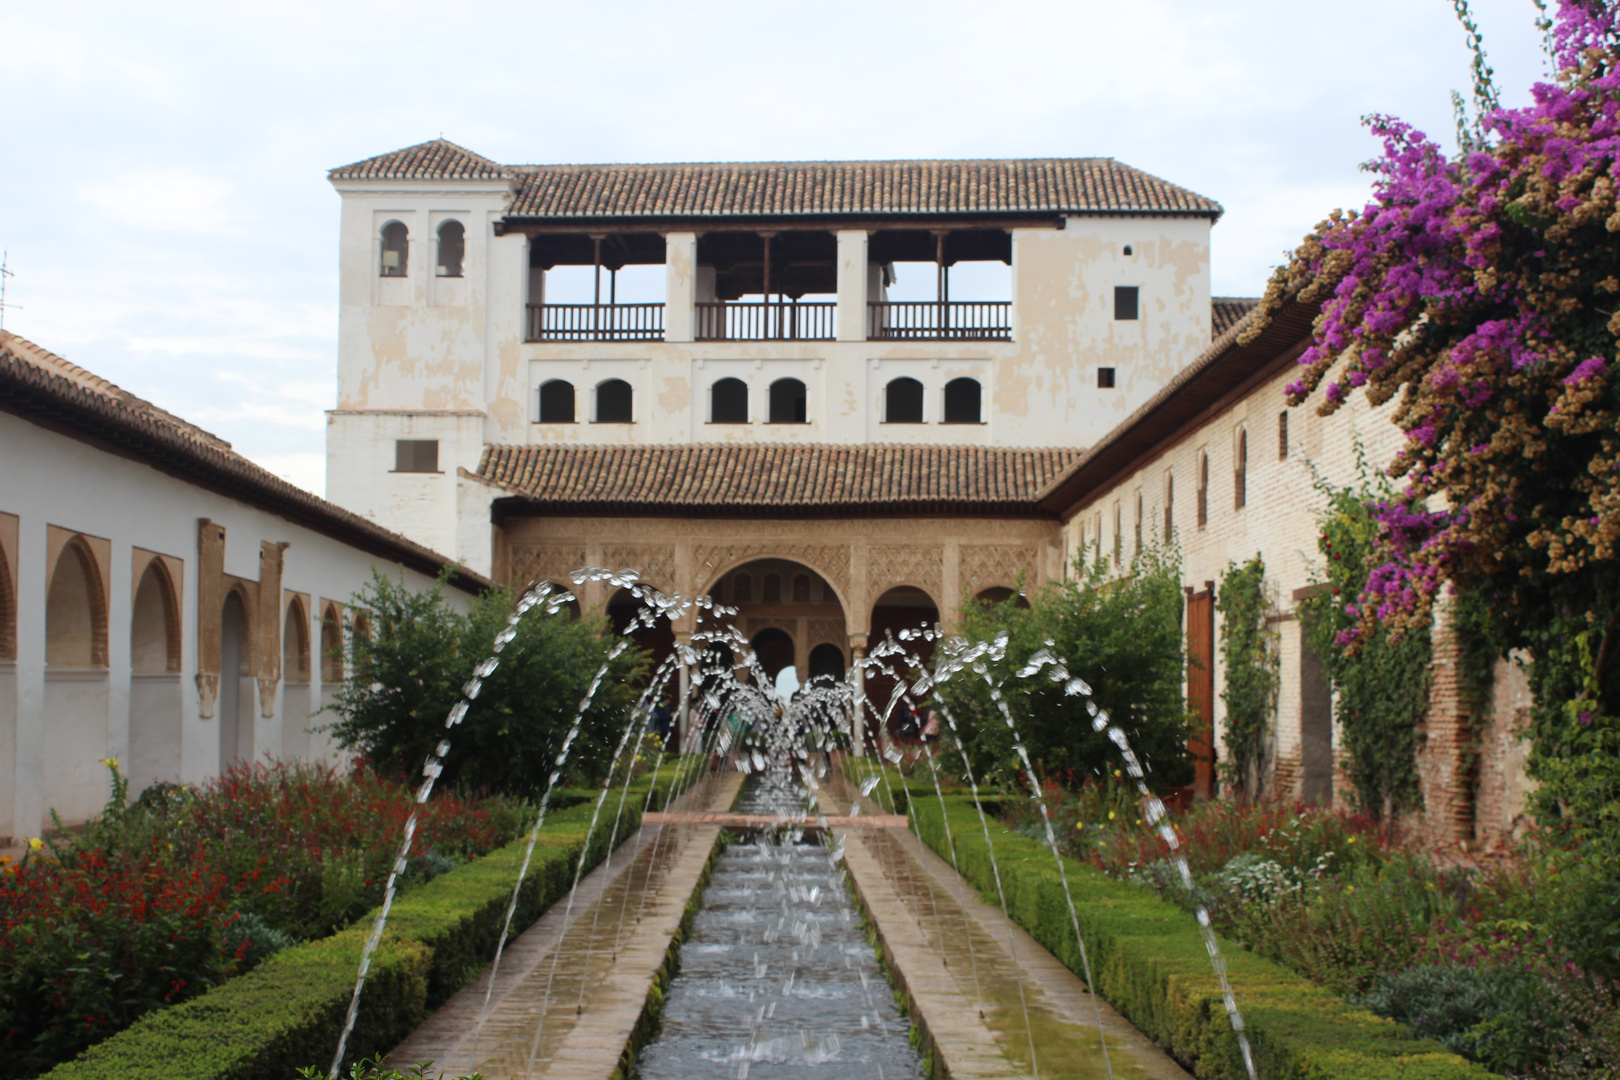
(570, 989)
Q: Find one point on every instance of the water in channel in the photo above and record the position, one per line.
(777, 978)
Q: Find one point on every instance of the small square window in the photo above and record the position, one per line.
(416, 455)
(1105, 378)
(1125, 302)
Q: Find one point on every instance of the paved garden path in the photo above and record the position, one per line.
(571, 988)
(961, 961)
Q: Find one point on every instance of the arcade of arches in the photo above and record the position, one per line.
(810, 593)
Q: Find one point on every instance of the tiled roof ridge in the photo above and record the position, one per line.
(34, 387)
(97, 384)
(808, 162)
(435, 159)
(785, 476)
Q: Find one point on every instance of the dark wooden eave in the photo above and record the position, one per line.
(1221, 374)
(58, 404)
(513, 225)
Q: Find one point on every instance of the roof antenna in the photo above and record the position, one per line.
(4, 274)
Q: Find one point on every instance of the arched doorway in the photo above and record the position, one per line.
(827, 661)
(902, 608)
(774, 649)
(76, 689)
(296, 667)
(622, 609)
(235, 716)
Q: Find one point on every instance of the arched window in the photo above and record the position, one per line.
(154, 632)
(8, 610)
(76, 611)
(801, 588)
(452, 248)
(362, 627)
(787, 402)
(772, 590)
(728, 402)
(1203, 490)
(1169, 503)
(962, 401)
(557, 402)
(742, 589)
(396, 250)
(1282, 435)
(614, 399)
(903, 402)
(295, 643)
(1240, 470)
(827, 661)
(331, 645)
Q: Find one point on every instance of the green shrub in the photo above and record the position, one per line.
(1149, 961)
(402, 682)
(1121, 631)
(1500, 1016)
(289, 1010)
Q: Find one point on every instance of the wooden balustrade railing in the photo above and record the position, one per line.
(789, 320)
(933, 320)
(596, 322)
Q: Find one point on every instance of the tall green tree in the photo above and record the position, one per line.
(401, 684)
(1122, 634)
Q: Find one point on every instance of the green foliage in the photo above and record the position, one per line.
(402, 683)
(290, 1009)
(1382, 683)
(1250, 658)
(1149, 961)
(1123, 635)
(374, 1070)
(1500, 1016)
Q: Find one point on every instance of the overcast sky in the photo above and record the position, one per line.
(162, 165)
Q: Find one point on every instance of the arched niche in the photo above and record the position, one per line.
(295, 659)
(76, 610)
(154, 630)
(8, 609)
(901, 608)
(332, 659)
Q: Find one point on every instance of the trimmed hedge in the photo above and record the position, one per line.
(1149, 961)
(289, 1011)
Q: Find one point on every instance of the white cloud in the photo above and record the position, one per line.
(172, 199)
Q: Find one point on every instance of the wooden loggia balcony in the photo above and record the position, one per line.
(787, 320)
(939, 320)
(596, 322)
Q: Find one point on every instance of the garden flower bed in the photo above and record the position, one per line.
(181, 917)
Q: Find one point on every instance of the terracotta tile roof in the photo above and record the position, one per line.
(436, 159)
(779, 478)
(46, 389)
(1225, 311)
(774, 189)
(850, 188)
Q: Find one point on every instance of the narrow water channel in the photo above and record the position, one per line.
(777, 979)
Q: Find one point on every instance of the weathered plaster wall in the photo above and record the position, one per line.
(54, 724)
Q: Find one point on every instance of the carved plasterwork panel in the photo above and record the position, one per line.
(655, 563)
(822, 631)
(990, 566)
(831, 561)
(547, 562)
(923, 567)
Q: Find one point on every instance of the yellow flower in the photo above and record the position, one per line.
(1110, 815)
(1351, 840)
(1118, 775)
(1079, 824)
(35, 844)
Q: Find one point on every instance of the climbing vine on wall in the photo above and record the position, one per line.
(1250, 660)
(1381, 686)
